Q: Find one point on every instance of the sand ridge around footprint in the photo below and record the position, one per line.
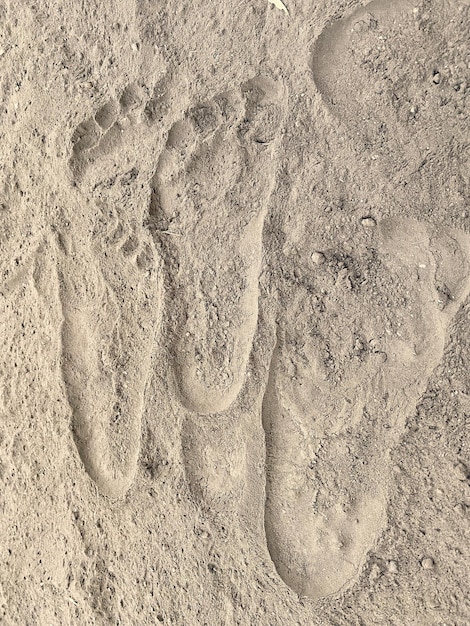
(110, 321)
(340, 389)
(210, 195)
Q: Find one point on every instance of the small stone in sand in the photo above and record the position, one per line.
(368, 222)
(460, 508)
(427, 563)
(318, 257)
(461, 471)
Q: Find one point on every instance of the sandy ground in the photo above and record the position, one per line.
(234, 260)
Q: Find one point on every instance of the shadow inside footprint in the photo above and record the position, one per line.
(210, 195)
(340, 390)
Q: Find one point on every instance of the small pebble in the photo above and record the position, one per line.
(318, 257)
(436, 79)
(360, 27)
(368, 222)
(461, 471)
(460, 508)
(375, 573)
(427, 563)
(392, 567)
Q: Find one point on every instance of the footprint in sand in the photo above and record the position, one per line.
(354, 353)
(109, 324)
(210, 195)
(344, 55)
(387, 71)
(110, 317)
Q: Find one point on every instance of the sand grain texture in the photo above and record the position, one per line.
(234, 281)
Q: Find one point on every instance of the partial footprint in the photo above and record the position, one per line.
(111, 308)
(342, 57)
(214, 453)
(353, 356)
(100, 135)
(210, 195)
(387, 70)
(335, 53)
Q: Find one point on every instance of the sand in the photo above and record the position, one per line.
(234, 307)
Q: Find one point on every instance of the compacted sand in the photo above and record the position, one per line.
(234, 308)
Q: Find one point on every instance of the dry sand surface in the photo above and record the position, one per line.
(234, 309)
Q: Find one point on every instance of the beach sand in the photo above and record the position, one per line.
(234, 279)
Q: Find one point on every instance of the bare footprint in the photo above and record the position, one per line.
(110, 320)
(210, 196)
(353, 356)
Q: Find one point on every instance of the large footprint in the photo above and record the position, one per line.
(210, 195)
(353, 356)
(109, 323)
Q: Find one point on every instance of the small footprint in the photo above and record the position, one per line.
(210, 195)
(109, 323)
(353, 356)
